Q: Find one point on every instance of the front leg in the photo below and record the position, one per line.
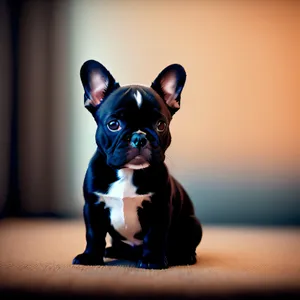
(97, 221)
(155, 240)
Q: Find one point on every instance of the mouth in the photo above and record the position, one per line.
(138, 162)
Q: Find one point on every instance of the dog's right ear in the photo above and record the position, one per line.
(97, 82)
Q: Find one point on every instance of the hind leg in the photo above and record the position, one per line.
(121, 250)
(184, 237)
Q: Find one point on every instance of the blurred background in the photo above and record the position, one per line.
(236, 141)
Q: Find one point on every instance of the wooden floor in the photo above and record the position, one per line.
(233, 262)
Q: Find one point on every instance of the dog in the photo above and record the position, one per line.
(127, 188)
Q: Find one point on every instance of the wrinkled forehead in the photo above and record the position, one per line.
(135, 99)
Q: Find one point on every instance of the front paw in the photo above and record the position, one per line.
(87, 259)
(153, 264)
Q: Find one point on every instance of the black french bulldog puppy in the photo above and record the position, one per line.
(128, 190)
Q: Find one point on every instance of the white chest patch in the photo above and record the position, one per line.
(123, 203)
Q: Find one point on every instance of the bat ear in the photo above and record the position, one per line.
(169, 84)
(97, 82)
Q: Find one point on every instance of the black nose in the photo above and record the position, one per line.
(138, 140)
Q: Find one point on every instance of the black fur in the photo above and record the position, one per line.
(170, 231)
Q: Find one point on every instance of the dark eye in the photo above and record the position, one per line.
(161, 126)
(114, 125)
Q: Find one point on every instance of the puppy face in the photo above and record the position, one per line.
(133, 128)
(132, 121)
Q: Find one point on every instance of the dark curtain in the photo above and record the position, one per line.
(34, 154)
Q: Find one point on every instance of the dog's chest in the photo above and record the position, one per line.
(123, 202)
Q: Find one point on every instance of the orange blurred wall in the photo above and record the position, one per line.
(241, 103)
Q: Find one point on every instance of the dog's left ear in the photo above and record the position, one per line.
(169, 84)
